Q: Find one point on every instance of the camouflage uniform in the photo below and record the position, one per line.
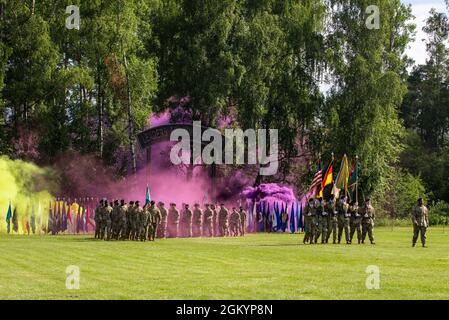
(141, 222)
(173, 222)
(97, 219)
(121, 221)
(215, 220)
(132, 217)
(321, 225)
(155, 217)
(309, 220)
(208, 229)
(114, 221)
(162, 230)
(343, 220)
(187, 223)
(420, 219)
(223, 225)
(368, 223)
(355, 222)
(332, 221)
(197, 221)
(234, 223)
(242, 222)
(107, 221)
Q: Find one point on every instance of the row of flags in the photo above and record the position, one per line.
(62, 216)
(275, 217)
(346, 181)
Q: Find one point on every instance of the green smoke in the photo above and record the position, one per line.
(28, 188)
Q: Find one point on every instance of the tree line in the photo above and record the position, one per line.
(265, 63)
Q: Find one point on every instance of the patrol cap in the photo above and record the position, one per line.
(152, 202)
(131, 202)
(196, 205)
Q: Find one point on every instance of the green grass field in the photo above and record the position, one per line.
(262, 266)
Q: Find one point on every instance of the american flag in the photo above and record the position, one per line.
(317, 180)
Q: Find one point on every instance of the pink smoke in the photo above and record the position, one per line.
(270, 192)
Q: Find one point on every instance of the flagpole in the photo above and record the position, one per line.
(333, 180)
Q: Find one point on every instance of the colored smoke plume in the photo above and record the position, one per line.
(28, 187)
(270, 192)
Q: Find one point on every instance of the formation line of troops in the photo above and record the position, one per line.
(323, 218)
(121, 221)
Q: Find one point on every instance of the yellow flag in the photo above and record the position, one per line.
(343, 176)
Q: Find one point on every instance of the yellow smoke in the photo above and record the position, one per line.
(27, 187)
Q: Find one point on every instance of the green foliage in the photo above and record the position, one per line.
(360, 116)
(439, 213)
(402, 192)
(431, 166)
(426, 114)
(260, 62)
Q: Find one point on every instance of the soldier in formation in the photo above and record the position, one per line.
(368, 222)
(355, 221)
(223, 223)
(234, 223)
(309, 222)
(173, 221)
(323, 218)
(208, 229)
(162, 229)
(332, 220)
(197, 220)
(343, 218)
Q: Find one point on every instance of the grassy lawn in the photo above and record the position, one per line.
(262, 266)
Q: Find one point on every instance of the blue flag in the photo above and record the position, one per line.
(298, 225)
(9, 213)
(300, 222)
(147, 195)
(292, 219)
(8, 217)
